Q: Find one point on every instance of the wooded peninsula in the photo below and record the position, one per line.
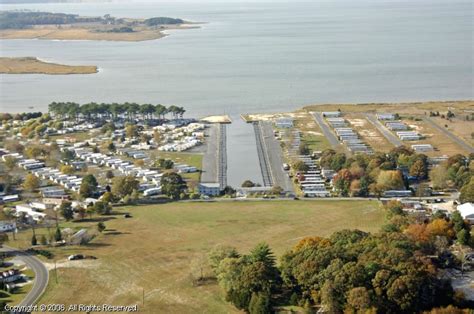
(60, 26)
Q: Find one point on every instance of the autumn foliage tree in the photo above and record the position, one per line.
(31, 182)
(419, 169)
(342, 182)
(390, 180)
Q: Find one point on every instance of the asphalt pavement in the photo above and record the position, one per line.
(385, 132)
(210, 158)
(222, 156)
(275, 158)
(331, 137)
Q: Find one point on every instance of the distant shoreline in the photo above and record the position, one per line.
(51, 32)
(60, 26)
(32, 65)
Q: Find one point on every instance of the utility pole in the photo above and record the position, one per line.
(14, 229)
(143, 297)
(56, 217)
(55, 271)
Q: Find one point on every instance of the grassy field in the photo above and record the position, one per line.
(35, 66)
(311, 133)
(459, 126)
(155, 252)
(443, 144)
(400, 108)
(369, 133)
(78, 32)
(410, 113)
(191, 159)
(76, 136)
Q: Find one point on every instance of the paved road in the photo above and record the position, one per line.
(222, 156)
(333, 140)
(385, 132)
(455, 138)
(263, 156)
(214, 161)
(41, 275)
(209, 160)
(275, 157)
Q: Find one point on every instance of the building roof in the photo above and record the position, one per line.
(466, 209)
(210, 185)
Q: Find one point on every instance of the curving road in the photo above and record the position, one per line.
(41, 275)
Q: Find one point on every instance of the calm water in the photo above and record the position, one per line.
(254, 57)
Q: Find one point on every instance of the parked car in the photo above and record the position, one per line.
(75, 257)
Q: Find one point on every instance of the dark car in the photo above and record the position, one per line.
(75, 257)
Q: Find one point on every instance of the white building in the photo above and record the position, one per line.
(467, 211)
(10, 275)
(210, 189)
(331, 114)
(11, 198)
(6, 226)
(385, 116)
(422, 148)
(408, 135)
(396, 126)
(284, 123)
(29, 212)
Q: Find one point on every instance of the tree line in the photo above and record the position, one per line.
(25, 19)
(162, 21)
(362, 174)
(113, 111)
(396, 270)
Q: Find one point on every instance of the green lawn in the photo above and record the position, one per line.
(191, 159)
(78, 136)
(157, 250)
(315, 142)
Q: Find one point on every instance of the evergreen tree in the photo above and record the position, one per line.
(58, 236)
(33, 240)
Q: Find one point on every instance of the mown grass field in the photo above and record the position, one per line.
(154, 253)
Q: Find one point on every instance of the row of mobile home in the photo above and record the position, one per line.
(311, 183)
